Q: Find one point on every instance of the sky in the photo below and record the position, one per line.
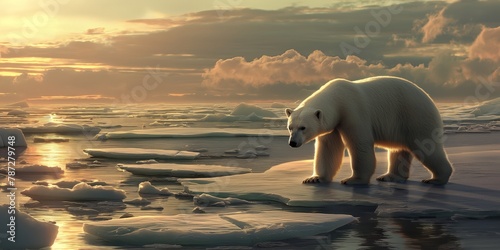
(242, 50)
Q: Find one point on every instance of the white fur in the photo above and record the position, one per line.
(383, 111)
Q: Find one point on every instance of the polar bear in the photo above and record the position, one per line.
(384, 111)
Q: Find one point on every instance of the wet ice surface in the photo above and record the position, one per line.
(462, 218)
(182, 170)
(473, 193)
(238, 229)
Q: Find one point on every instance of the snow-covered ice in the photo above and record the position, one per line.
(141, 153)
(473, 187)
(182, 170)
(147, 188)
(19, 141)
(215, 229)
(29, 232)
(80, 192)
(192, 133)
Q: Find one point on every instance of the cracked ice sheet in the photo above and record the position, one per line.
(473, 190)
(216, 229)
(141, 153)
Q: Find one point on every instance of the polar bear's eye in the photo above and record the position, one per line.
(302, 128)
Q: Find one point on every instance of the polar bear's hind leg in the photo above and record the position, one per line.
(438, 164)
(399, 166)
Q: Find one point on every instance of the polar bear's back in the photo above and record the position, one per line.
(399, 110)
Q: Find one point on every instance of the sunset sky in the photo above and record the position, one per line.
(242, 50)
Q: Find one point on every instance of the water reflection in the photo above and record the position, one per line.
(50, 154)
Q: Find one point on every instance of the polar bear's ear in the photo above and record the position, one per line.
(318, 114)
(288, 112)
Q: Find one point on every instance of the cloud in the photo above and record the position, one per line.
(435, 26)
(280, 53)
(460, 21)
(442, 77)
(487, 45)
(95, 31)
(290, 68)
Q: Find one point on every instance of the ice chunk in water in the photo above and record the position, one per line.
(141, 153)
(29, 232)
(182, 170)
(244, 109)
(80, 192)
(36, 169)
(192, 133)
(147, 188)
(215, 229)
(19, 139)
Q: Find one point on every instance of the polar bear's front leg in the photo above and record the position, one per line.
(362, 163)
(328, 155)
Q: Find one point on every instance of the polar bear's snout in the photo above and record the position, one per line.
(295, 140)
(294, 144)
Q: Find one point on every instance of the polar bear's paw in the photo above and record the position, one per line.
(391, 178)
(434, 181)
(354, 181)
(313, 180)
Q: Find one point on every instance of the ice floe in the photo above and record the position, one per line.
(473, 188)
(36, 169)
(182, 170)
(71, 183)
(244, 109)
(80, 165)
(141, 153)
(138, 202)
(5, 138)
(147, 188)
(150, 161)
(149, 207)
(26, 231)
(60, 128)
(192, 133)
(207, 200)
(491, 107)
(80, 192)
(215, 229)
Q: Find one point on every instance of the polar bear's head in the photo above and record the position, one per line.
(304, 124)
